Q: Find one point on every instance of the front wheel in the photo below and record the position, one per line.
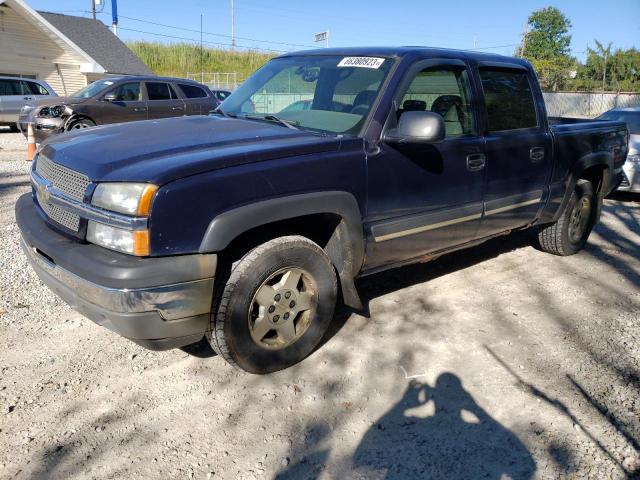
(276, 305)
(81, 124)
(569, 234)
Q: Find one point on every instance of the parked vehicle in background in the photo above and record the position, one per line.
(631, 170)
(116, 100)
(242, 226)
(221, 95)
(15, 93)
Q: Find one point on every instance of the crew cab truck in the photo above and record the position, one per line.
(247, 226)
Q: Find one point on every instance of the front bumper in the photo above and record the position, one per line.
(159, 303)
(43, 128)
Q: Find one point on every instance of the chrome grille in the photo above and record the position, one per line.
(66, 180)
(69, 182)
(61, 216)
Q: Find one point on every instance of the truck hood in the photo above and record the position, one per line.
(52, 101)
(160, 151)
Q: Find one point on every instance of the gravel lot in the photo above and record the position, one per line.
(496, 361)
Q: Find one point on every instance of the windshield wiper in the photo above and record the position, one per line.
(272, 118)
(219, 111)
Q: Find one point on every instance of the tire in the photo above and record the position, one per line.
(14, 128)
(563, 237)
(245, 330)
(81, 124)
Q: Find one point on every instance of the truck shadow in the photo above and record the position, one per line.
(432, 432)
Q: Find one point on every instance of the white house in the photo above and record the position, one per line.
(65, 51)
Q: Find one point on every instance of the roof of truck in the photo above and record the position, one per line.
(410, 50)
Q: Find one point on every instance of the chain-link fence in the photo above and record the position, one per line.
(587, 104)
(216, 80)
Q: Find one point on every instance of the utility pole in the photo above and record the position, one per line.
(523, 45)
(233, 25)
(604, 71)
(475, 41)
(93, 8)
(201, 54)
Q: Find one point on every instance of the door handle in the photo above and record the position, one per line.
(140, 109)
(476, 162)
(28, 98)
(536, 154)
(177, 108)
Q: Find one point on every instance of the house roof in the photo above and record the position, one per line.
(99, 43)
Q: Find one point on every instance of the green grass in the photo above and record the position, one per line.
(176, 59)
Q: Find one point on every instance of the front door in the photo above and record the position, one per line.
(126, 104)
(424, 198)
(518, 150)
(163, 101)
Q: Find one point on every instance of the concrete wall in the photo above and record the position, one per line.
(586, 105)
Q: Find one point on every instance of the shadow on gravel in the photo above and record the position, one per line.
(437, 432)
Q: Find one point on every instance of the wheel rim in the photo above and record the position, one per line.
(80, 125)
(282, 308)
(579, 221)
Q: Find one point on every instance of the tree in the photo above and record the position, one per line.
(547, 47)
(549, 36)
(617, 70)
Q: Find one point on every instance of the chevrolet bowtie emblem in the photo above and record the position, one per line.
(44, 192)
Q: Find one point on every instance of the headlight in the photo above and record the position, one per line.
(133, 242)
(633, 158)
(51, 112)
(127, 198)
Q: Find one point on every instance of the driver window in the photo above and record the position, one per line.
(128, 92)
(443, 91)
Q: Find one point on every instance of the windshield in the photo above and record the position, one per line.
(632, 119)
(93, 89)
(327, 94)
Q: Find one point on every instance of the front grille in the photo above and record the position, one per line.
(64, 179)
(68, 181)
(61, 216)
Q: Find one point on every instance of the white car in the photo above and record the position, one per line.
(15, 93)
(631, 169)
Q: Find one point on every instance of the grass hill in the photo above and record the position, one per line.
(176, 59)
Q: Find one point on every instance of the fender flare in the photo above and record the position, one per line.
(345, 247)
(557, 203)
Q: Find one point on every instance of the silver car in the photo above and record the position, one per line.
(15, 93)
(631, 169)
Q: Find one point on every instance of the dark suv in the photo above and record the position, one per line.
(115, 100)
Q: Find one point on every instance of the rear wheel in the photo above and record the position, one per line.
(570, 232)
(80, 124)
(276, 306)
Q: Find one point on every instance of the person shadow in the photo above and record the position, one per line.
(440, 432)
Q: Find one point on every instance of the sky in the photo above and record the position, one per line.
(285, 25)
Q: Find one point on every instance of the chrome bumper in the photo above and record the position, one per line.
(171, 302)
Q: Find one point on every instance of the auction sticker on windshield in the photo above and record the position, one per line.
(362, 62)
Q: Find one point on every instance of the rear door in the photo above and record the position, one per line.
(518, 148)
(196, 99)
(127, 105)
(163, 101)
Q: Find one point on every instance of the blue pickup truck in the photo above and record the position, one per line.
(246, 227)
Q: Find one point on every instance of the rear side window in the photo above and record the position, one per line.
(509, 99)
(10, 87)
(35, 88)
(160, 91)
(191, 91)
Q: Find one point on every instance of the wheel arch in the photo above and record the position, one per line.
(332, 219)
(75, 117)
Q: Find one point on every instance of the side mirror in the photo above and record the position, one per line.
(110, 97)
(417, 127)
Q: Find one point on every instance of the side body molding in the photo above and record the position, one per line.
(345, 247)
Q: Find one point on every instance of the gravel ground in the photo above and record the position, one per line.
(500, 361)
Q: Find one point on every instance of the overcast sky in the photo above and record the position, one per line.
(495, 25)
